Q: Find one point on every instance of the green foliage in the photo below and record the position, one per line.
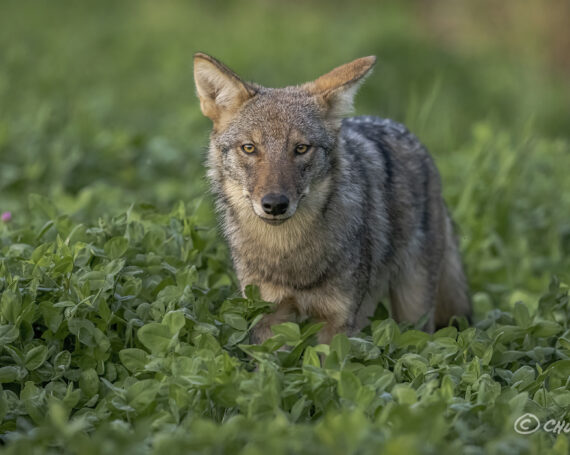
(113, 342)
(121, 326)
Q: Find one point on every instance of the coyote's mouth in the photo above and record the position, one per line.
(274, 221)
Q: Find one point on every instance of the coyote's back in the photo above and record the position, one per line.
(327, 216)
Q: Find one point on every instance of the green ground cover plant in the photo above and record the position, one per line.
(121, 326)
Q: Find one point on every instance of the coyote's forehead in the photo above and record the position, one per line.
(280, 115)
(289, 104)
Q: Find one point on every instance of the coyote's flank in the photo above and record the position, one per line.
(328, 215)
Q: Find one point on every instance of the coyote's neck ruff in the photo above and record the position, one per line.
(327, 215)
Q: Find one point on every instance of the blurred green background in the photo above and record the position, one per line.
(97, 108)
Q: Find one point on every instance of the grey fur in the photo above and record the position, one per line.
(366, 218)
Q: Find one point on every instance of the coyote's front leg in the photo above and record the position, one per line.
(284, 311)
(332, 308)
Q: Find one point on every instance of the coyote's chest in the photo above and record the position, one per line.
(286, 256)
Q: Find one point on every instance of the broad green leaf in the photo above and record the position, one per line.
(384, 332)
(236, 321)
(84, 330)
(310, 357)
(63, 265)
(155, 337)
(348, 385)
(447, 388)
(35, 357)
(9, 374)
(34, 402)
(174, 320)
(116, 247)
(412, 338)
(11, 305)
(559, 369)
(546, 328)
(289, 330)
(89, 382)
(404, 394)
(141, 394)
(341, 345)
(8, 333)
(311, 329)
(62, 360)
(134, 359)
(52, 315)
(414, 364)
(522, 316)
(252, 292)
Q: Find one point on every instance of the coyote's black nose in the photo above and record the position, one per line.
(275, 204)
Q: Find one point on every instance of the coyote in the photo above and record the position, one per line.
(328, 215)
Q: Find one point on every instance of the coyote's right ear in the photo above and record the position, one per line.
(220, 90)
(337, 88)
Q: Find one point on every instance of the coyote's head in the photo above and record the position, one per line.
(271, 146)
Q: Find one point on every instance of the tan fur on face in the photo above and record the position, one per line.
(276, 238)
(274, 179)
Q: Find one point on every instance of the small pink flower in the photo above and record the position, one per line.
(6, 216)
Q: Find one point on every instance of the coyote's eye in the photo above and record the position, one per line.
(301, 148)
(248, 148)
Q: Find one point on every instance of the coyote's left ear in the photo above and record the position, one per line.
(337, 88)
(220, 90)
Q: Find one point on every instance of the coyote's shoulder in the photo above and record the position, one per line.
(328, 215)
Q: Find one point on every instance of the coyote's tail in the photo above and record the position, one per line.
(453, 298)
